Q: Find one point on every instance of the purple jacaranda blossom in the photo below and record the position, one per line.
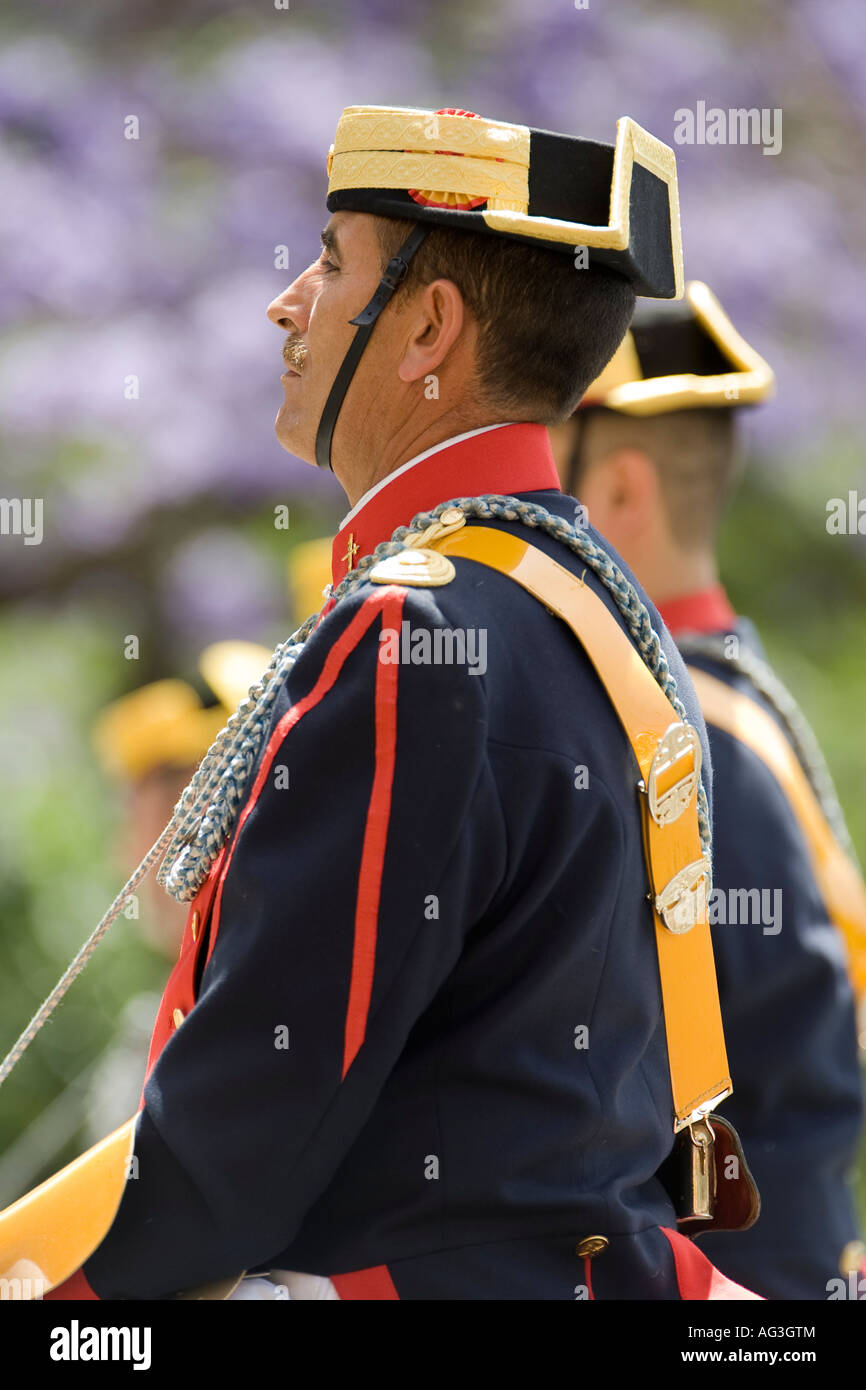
(209, 610)
(281, 96)
(155, 258)
(839, 34)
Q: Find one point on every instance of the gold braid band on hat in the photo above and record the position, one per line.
(475, 178)
(376, 147)
(366, 128)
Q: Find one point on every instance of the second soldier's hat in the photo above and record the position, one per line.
(681, 357)
(167, 724)
(456, 169)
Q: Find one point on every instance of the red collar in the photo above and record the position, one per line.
(506, 459)
(707, 611)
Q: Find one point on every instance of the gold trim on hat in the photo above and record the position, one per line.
(634, 145)
(400, 148)
(751, 381)
(385, 147)
(368, 128)
(623, 369)
(474, 178)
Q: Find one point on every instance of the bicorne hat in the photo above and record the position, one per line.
(456, 169)
(681, 357)
(606, 205)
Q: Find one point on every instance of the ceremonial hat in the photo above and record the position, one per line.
(167, 723)
(681, 357)
(455, 169)
(616, 204)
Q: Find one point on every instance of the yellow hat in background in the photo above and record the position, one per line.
(681, 356)
(309, 573)
(230, 668)
(166, 723)
(163, 724)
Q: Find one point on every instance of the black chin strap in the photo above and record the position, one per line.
(395, 272)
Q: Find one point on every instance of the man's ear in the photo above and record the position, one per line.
(632, 484)
(435, 319)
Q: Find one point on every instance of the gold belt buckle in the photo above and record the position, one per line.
(683, 901)
(676, 743)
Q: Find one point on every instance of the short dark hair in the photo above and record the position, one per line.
(696, 453)
(546, 329)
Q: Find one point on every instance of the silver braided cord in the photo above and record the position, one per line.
(207, 810)
(75, 967)
(779, 697)
(208, 806)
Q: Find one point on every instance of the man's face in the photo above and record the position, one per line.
(314, 312)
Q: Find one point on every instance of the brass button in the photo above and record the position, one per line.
(177, 1017)
(591, 1246)
(194, 925)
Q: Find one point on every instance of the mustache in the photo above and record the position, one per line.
(295, 352)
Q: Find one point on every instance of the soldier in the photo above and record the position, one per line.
(652, 455)
(415, 1044)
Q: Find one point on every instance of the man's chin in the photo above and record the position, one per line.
(292, 439)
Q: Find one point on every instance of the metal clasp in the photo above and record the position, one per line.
(700, 1195)
(448, 521)
(683, 900)
(680, 740)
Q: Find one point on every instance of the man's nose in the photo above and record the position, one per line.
(288, 311)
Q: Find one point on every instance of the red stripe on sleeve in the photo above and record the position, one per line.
(375, 838)
(342, 648)
(698, 1279)
(369, 1284)
(75, 1289)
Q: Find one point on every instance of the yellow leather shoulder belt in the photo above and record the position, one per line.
(668, 755)
(838, 879)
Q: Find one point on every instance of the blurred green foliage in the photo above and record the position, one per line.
(805, 590)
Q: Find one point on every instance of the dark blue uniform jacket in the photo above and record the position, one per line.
(788, 1012)
(439, 897)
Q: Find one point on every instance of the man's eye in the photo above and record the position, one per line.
(326, 264)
